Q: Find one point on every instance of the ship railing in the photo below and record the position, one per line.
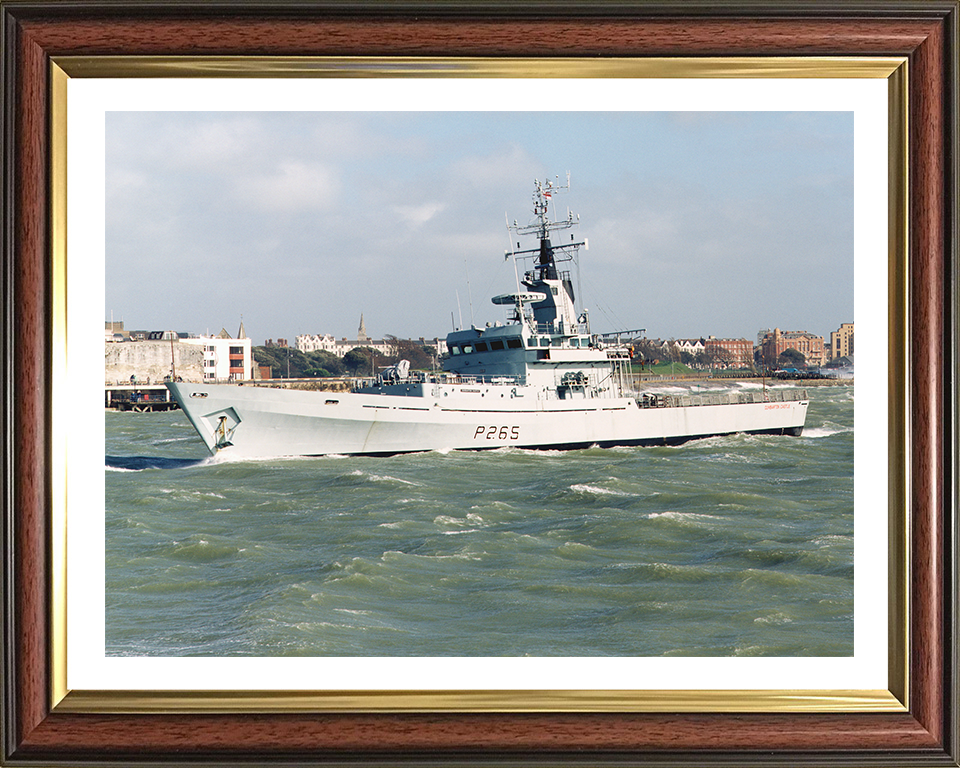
(726, 398)
(554, 328)
(425, 377)
(412, 376)
(453, 378)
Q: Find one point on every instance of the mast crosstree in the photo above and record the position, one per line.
(555, 312)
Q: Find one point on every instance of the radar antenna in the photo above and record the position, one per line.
(548, 253)
(545, 296)
(542, 197)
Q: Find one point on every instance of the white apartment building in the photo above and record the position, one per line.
(693, 346)
(340, 347)
(225, 359)
(317, 342)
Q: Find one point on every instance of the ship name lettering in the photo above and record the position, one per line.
(495, 432)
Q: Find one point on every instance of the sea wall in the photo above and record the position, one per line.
(151, 360)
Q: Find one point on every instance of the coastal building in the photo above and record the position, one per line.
(340, 347)
(150, 357)
(151, 361)
(113, 331)
(317, 343)
(840, 367)
(691, 346)
(660, 349)
(729, 353)
(709, 351)
(440, 345)
(225, 358)
(841, 342)
(775, 342)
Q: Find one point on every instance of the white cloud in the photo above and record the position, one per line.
(484, 172)
(121, 182)
(405, 206)
(418, 215)
(290, 186)
(213, 143)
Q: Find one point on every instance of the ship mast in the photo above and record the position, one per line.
(544, 279)
(543, 226)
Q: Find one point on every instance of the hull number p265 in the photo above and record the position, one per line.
(497, 433)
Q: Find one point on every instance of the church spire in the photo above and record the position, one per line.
(362, 331)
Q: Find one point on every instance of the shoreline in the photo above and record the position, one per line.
(796, 382)
(754, 379)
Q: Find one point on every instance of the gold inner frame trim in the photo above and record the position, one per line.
(728, 701)
(893, 69)
(411, 66)
(58, 376)
(898, 414)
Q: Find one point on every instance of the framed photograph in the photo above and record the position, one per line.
(608, 537)
(78, 77)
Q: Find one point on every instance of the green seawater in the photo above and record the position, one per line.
(730, 546)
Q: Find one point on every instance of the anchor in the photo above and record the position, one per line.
(222, 441)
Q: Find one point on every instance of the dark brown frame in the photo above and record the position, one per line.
(923, 31)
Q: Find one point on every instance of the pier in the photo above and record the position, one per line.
(140, 398)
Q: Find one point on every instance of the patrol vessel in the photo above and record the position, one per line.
(540, 379)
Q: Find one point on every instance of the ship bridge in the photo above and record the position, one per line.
(546, 331)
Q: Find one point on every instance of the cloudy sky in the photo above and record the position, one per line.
(699, 223)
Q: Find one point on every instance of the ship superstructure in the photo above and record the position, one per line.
(539, 379)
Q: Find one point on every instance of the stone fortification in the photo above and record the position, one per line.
(151, 360)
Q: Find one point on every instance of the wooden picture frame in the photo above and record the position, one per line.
(36, 34)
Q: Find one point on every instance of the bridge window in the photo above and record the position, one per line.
(515, 343)
(495, 345)
(481, 346)
(455, 350)
(544, 342)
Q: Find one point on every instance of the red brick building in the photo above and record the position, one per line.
(776, 341)
(728, 353)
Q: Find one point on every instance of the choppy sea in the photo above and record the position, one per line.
(729, 546)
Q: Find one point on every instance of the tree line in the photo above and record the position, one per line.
(649, 351)
(288, 362)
